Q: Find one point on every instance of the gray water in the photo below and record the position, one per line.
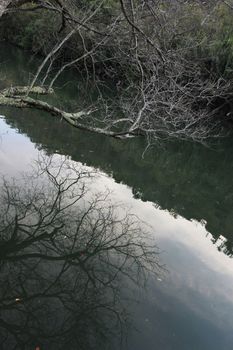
(184, 191)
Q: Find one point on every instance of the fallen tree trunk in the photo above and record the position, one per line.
(9, 99)
(23, 90)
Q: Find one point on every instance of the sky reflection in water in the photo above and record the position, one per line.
(191, 305)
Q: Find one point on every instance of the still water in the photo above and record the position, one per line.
(183, 191)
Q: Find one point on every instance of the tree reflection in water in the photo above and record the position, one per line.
(65, 255)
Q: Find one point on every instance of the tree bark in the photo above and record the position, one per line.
(3, 6)
(8, 4)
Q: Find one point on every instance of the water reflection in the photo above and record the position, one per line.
(193, 300)
(177, 176)
(66, 256)
(184, 192)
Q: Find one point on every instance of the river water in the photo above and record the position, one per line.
(182, 190)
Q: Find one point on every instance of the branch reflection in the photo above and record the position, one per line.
(65, 256)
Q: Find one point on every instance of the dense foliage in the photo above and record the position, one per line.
(204, 32)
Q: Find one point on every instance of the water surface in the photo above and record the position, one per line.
(184, 191)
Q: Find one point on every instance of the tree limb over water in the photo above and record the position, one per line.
(162, 90)
(7, 98)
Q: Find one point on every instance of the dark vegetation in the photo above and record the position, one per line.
(204, 31)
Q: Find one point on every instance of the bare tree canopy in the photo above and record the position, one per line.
(161, 89)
